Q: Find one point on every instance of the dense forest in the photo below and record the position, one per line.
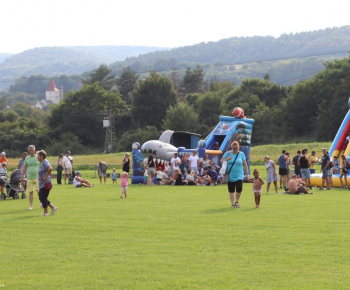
(286, 59)
(310, 110)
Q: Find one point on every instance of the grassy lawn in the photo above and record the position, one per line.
(169, 237)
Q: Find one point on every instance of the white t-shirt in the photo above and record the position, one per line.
(194, 161)
(215, 159)
(66, 162)
(2, 171)
(145, 173)
(70, 158)
(159, 174)
(76, 182)
(175, 162)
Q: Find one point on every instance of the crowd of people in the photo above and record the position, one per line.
(197, 172)
(293, 173)
(35, 172)
(303, 165)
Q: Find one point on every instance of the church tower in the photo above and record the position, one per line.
(53, 94)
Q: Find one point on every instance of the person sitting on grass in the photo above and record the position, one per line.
(297, 186)
(165, 179)
(81, 182)
(190, 177)
(179, 180)
(211, 176)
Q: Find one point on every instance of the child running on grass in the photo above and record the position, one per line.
(257, 186)
(114, 176)
(124, 183)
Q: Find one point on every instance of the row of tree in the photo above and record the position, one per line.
(310, 110)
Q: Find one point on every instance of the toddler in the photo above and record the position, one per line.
(145, 175)
(257, 186)
(124, 183)
(114, 176)
(336, 165)
(159, 175)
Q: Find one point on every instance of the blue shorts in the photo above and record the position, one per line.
(101, 173)
(325, 173)
(305, 173)
(312, 171)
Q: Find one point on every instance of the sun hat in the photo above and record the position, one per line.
(3, 153)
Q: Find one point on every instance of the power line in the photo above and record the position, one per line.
(202, 66)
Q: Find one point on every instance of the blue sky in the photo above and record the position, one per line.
(43, 23)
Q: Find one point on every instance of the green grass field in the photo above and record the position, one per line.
(169, 237)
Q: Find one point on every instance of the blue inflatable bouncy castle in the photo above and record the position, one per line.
(137, 164)
(229, 129)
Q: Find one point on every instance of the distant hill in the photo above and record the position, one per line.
(51, 61)
(116, 53)
(237, 58)
(3, 56)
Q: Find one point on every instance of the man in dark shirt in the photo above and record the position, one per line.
(325, 168)
(295, 163)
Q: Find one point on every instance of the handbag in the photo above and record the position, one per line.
(228, 173)
(48, 185)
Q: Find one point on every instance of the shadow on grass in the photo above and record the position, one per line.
(24, 217)
(218, 210)
(227, 209)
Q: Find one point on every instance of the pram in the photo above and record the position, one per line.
(14, 186)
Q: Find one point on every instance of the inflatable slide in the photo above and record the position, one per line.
(339, 146)
(228, 129)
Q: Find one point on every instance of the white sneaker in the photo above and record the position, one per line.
(30, 208)
(212, 184)
(54, 210)
(45, 214)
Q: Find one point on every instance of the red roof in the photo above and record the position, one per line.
(52, 87)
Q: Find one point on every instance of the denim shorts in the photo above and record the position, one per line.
(305, 173)
(325, 173)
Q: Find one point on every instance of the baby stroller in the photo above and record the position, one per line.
(14, 186)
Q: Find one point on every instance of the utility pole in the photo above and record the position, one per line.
(109, 127)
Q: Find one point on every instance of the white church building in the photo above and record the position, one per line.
(53, 94)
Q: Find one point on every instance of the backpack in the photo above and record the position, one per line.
(214, 175)
(330, 164)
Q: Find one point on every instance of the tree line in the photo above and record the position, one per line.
(311, 110)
